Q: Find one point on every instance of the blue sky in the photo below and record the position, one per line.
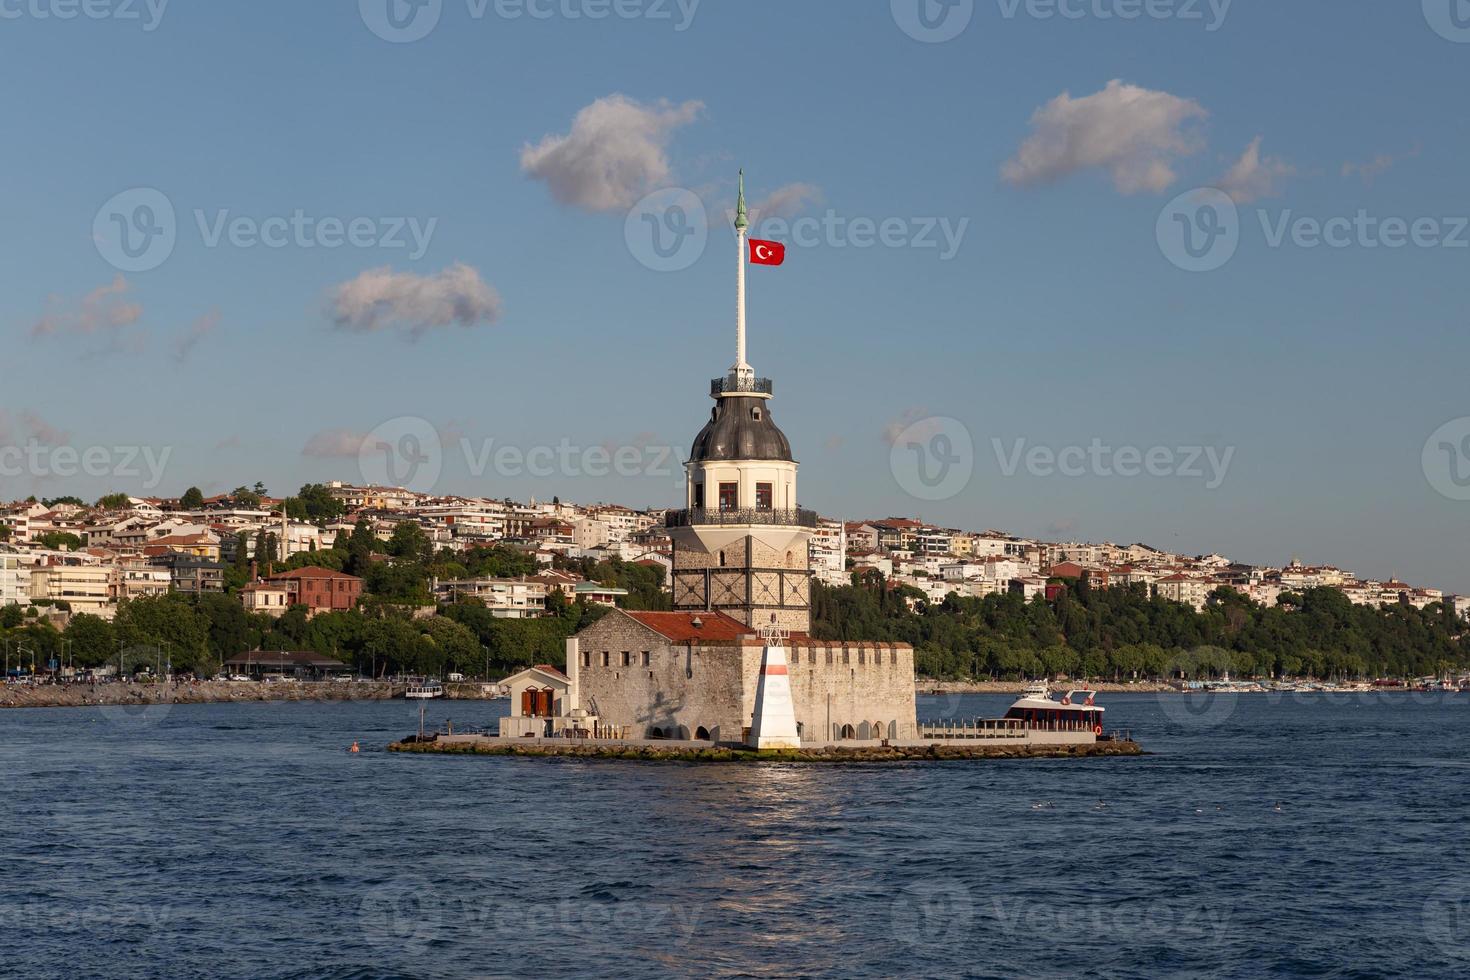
(529, 319)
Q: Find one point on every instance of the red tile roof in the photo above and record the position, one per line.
(548, 669)
(311, 571)
(679, 627)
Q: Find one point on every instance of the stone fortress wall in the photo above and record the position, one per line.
(657, 688)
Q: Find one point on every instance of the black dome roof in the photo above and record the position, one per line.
(741, 428)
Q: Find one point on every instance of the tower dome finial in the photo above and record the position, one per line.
(742, 217)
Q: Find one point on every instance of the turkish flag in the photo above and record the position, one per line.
(766, 253)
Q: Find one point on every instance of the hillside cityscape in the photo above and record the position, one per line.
(391, 580)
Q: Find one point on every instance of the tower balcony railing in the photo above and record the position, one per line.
(701, 516)
(739, 386)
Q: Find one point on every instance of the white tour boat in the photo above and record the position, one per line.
(424, 691)
(1075, 718)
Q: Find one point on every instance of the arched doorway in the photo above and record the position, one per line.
(847, 731)
(702, 734)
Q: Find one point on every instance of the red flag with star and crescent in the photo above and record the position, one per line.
(766, 253)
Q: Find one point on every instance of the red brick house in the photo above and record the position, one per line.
(320, 589)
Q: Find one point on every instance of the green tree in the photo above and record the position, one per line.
(114, 501)
(58, 501)
(314, 502)
(193, 499)
(92, 640)
(60, 541)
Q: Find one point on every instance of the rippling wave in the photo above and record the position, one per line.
(1263, 838)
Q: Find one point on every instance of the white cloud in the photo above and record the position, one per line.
(907, 419)
(381, 299)
(334, 444)
(1133, 133)
(615, 153)
(35, 428)
(1254, 176)
(104, 309)
(198, 330)
(1378, 166)
(786, 202)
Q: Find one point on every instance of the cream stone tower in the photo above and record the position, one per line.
(740, 543)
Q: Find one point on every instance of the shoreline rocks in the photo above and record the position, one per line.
(821, 754)
(201, 692)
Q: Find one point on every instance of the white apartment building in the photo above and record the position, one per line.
(15, 581)
(138, 579)
(86, 588)
(506, 598)
(1188, 589)
(828, 551)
